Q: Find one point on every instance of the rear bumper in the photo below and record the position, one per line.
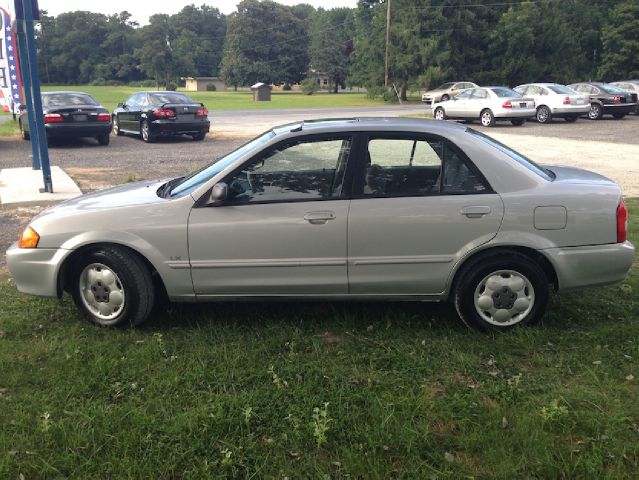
(591, 265)
(75, 130)
(509, 114)
(621, 108)
(170, 127)
(35, 270)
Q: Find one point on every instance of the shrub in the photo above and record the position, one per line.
(172, 86)
(211, 87)
(309, 86)
(287, 87)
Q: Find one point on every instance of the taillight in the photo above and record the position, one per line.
(164, 113)
(202, 112)
(617, 99)
(104, 117)
(53, 118)
(622, 222)
(507, 104)
(567, 101)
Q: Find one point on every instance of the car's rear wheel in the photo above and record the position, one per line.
(116, 126)
(571, 119)
(517, 122)
(596, 111)
(439, 114)
(145, 132)
(198, 137)
(618, 115)
(445, 98)
(112, 287)
(544, 114)
(487, 118)
(103, 139)
(24, 134)
(501, 291)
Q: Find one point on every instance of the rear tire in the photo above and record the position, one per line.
(199, 136)
(439, 114)
(112, 287)
(501, 292)
(25, 135)
(104, 139)
(571, 119)
(145, 132)
(596, 111)
(517, 122)
(544, 115)
(487, 118)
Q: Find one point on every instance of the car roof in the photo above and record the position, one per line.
(371, 123)
(542, 84)
(65, 91)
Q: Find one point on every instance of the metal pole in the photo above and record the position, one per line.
(388, 36)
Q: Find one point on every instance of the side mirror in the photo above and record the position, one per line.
(121, 105)
(220, 192)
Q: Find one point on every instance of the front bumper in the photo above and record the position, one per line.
(172, 127)
(591, 265)
(35, 270)
(77, 130)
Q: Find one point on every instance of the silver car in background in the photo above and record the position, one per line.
(362, 209)
(446, 91)
(488, 105)
(555, 100)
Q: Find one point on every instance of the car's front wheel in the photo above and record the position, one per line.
(145, 132)
(596, 112)
(439, 114)
(116, 126)
(445, 98)
(501, 291)
(112, 287)
(487, 118)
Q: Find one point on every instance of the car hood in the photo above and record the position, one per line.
(437, 90)
(122, 196)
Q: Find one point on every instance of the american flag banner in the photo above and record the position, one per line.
(10, 81)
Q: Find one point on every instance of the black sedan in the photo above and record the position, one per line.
(156, 114)
(71, 115)
(605, 99)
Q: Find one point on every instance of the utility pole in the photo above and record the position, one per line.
(388, 33)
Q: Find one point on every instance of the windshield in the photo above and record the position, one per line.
(561, 90)
(518, 157)
(445, 86)
(65, 99)
(503, 92)
(611, 89)
(199, 177)
(169, 97)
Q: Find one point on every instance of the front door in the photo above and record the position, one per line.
(423, 204)
(282, 228)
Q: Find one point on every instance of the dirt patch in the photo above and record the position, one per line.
(94, 178)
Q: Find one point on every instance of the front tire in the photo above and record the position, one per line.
(145, 132)
(445, 98)
(596, 112)
(439, 114)
(487, 118)
(112, 288)
(544, 115)
(116, 126)
(500, 292)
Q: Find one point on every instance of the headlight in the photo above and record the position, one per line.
(29, 238)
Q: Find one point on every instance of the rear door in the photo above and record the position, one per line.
(417, 207)
(458, 105)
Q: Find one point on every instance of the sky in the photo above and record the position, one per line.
(142, 9)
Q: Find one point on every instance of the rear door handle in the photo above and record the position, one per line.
(319, 218)
(475, 211)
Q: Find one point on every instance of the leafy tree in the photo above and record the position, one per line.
(266, 42)
(156, 53)
(620, 38)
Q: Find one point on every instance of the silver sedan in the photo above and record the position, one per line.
(488, 105)
(365, 209)
(555, 100)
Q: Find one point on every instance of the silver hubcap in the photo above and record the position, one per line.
(486, 118)
(439, 114)
(102, 292)
(542, 115)
(504, 298)
(116, 125)
(145, 131)
(594, 112)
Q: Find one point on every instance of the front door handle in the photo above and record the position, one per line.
(475, 211)
(319, 218)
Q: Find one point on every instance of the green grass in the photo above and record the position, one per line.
(8, 127)
(322, 390)
(111, 96)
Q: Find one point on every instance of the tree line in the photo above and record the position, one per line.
(489, 42)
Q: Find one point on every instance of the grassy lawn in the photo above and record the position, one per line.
(111, 96)
(8, 127)
(321, 391)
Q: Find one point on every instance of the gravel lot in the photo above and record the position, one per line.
(610, 147)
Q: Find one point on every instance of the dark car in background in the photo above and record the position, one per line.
(605, 99)
(159, 114)
(71, 115)
(631, 87)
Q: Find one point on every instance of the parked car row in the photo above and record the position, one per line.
(542, 101)
(147, 114)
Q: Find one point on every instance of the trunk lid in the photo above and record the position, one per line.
(575, 175)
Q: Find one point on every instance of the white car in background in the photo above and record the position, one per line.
(488, 105)
(555, 100)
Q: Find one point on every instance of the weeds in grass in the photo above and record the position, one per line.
(319, 424)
